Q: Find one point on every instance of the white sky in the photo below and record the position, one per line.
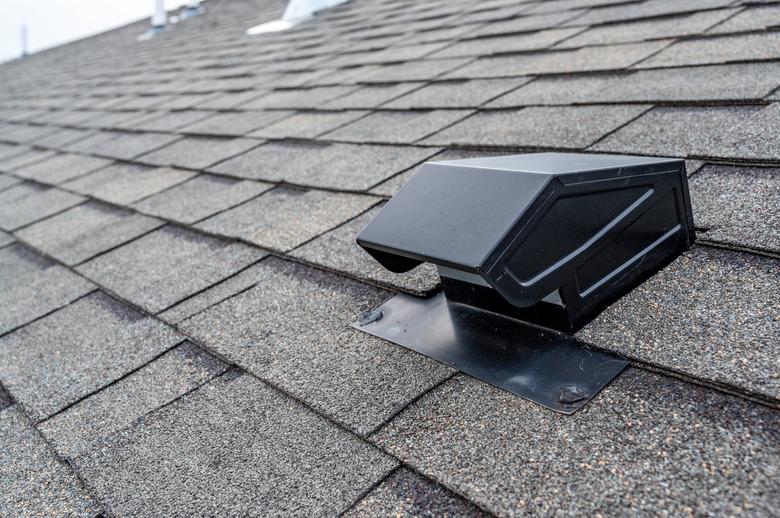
(52, 22)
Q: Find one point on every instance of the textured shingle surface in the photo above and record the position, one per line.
(738, 205)
(33, 286)
(67, 355)
(192, 374)
(671, 321)
(32, 481)
(168, 377)
(285, 218)
(345, 166)
(300, 338)
(646, 444)
(228, 437)
(82, 232)
(167, 265)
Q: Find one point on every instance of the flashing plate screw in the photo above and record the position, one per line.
(371, 317)
(571, 395)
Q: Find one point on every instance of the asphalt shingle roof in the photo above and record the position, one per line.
(179, 274)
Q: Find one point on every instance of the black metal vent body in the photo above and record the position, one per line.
(549, 237)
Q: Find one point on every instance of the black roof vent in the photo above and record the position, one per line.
(547, 238)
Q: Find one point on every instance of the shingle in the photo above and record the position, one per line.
(646, 445)
(671, 322)
(33, 286)
(738, 206)
(17, 192)
(115, 120)
(398, 127)
(555, 127)
(19, 161)
(26, 134)
(61, 168)
(123, 145)
(336, 165)
(5, 239)
(217, 293)
(645, 9)
(284, 218)
(729, 132)
(11, 150)
(707, 83)
(297, 99)
(371, 96)
(41, 203)
(555, 62)
(33, 482)
(405, 493)
(337, 250)
(506, 44)
(292, 328)
(233, 447)
(456, 94)
(55, 361)
(200, 197)
(421, 70)
(168, 265)
(7, 181)
(517, 24)
(61, 138)
(198, 152)
(724, 49)
(228, 100)
(308, 125)
(126, 183)
(115, 408)
(751, 19)
(85, 231)
(235, 123)
(170, 121)
(680, 25)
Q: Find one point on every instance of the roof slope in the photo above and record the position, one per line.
(178, 267)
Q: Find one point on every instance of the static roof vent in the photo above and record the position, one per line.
(297, 11)
(545, 238)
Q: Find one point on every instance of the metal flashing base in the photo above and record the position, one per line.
(552, 370)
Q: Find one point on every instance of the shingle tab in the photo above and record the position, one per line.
(293, 329)
(671, 322)
(371, 96)
(235, 123)
(745, 47)
(57, 360)
(754, 18)
(329, 165)
(456, 94)
(645, 9)
(738, 206)
(728, 132)
(123, 145)
(85, 231)
(198, 152)
(554, 127)
(200, 197)
(405, 493)
(214, 449)
(750, 81)
(297, 99)
(168, 265)
(33, 286)
(32, 156)
(506, 44)
(115, 408)
(422, 70)
(398, 127)
(647, 444)
(7, 181)
(586, 59)
(61, 168)
(308, 124)
(127, 183)
(284, 218)
(169, 121)
(337, 250)
(38, 204)
(32, 481)
(681, 25)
